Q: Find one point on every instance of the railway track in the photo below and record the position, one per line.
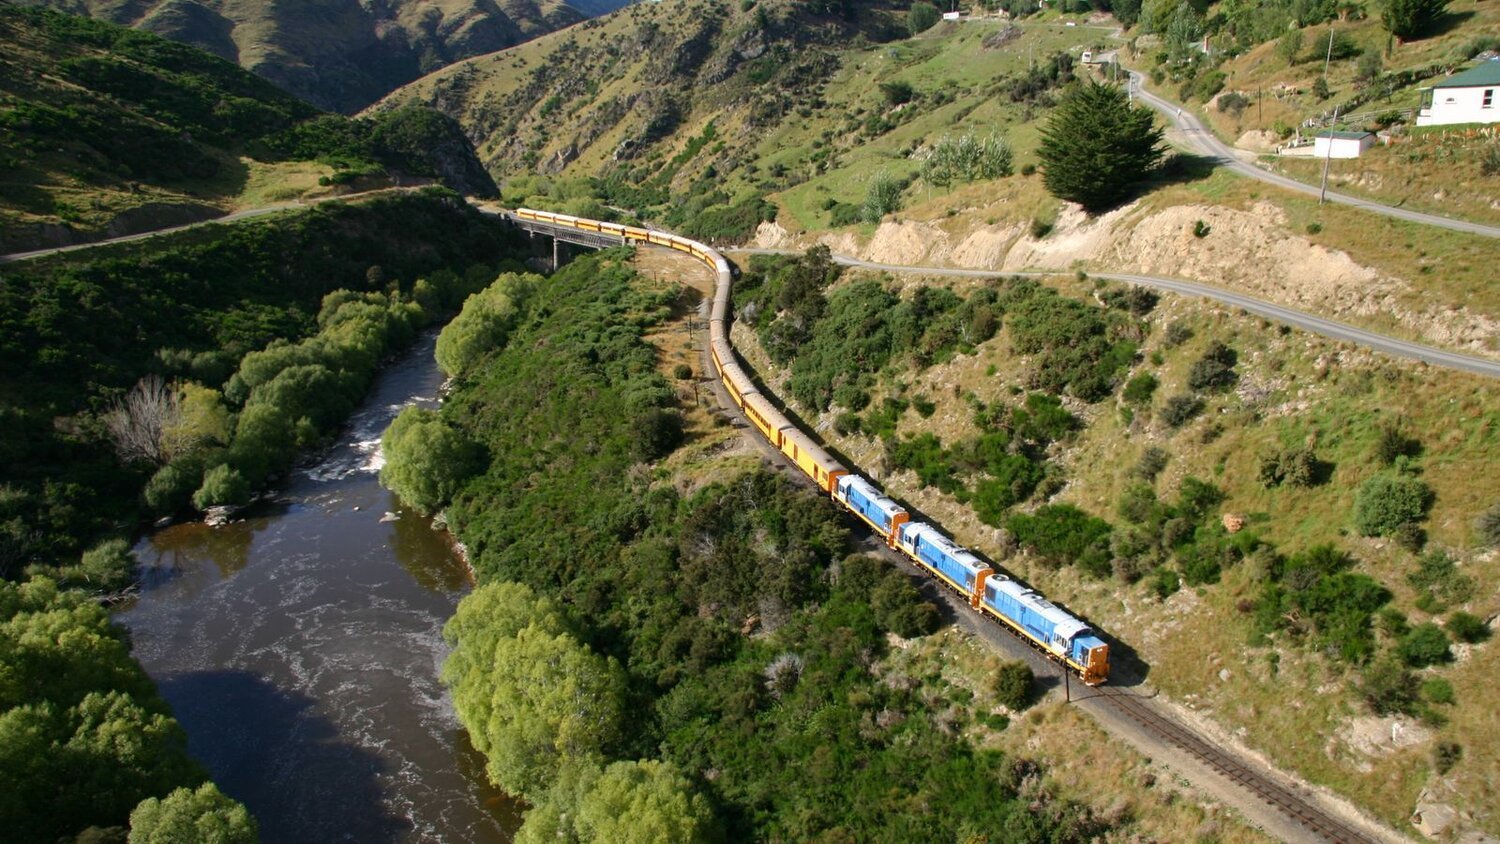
(1282, 799)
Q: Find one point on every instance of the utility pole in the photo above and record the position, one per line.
(1329, 57)
(1327, 155)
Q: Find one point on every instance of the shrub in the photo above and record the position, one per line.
(1392, 443)
(1389, 500)
(1177, 333)
(1166, 583)
(1062, 533)
(1140, 388)
(1389, 688)
(1028, 169)
(1234, 103)
(1467, 627)
(1446, 754)
(1439, 583)
(1215, 370)
(1291, 466)
(1040, 228)
(1179, 410)
(847, 423)
(1013, 685)
(1152, 461)
(1424, 645)
(1438, 690)
(897, 92)
(1314, 228)
(658, 430)
(1201, 229)
(223, 484)
(682, 372)
(1487, 525)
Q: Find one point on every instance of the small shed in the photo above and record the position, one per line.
(1334, 144)
(1469, 97)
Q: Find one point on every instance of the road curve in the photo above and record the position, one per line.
(1201, 140)
(1331, 329)
(234, 217)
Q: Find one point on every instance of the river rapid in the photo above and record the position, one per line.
(300, 648)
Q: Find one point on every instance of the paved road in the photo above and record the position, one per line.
(1299, 319)
(1200, 139)
(227, 218)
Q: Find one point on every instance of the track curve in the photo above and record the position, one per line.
(1329, 328)
(1305, 814)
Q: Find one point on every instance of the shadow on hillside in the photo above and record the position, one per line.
(1448, 21)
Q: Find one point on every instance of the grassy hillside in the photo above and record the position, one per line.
(109, 131)
(694, 112)
(1297, 438)
(341, 54)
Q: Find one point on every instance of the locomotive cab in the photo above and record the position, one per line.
(1096, 663)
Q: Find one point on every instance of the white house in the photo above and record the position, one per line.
(1332, 144)
(1469, 97)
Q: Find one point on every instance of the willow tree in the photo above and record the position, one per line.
(1097, 146)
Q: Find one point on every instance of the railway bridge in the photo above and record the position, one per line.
(562, 234)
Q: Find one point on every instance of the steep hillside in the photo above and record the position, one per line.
(341, 54)
(108, 131)
(1221, 496)
(696, 113)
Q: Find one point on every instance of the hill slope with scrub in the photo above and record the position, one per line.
(110, 131)
(1288, 546)
(341, 54)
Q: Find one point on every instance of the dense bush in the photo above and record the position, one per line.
(670, 587)
(920, 17)
(1075, 346)
(1060, 534)
(1389, 500)
(1339, 604)
(1487, 525)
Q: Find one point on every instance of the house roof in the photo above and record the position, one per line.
(1484, 73)
(1343, 136)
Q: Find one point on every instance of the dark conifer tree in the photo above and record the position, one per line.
(1097, 146)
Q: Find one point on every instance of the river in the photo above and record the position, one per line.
(300, 648)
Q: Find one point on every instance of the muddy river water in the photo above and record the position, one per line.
(300, 648)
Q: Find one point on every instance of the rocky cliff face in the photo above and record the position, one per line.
(341, 54)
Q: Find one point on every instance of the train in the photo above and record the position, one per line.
(1047, 627)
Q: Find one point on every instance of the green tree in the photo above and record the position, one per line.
(186, 815)
(1424, 645)
(484, 323)
(644, 802)
(920, 17)
(541, 700)
(1409, 19)
(426, 460)
(223, 484)
(882, 197)
(1097, 146)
